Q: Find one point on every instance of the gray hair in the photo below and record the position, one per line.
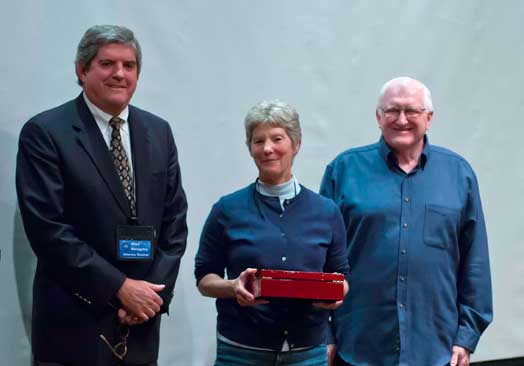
(100, 35)
(406, 82)
(275, 113)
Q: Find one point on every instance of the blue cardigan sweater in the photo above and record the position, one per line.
(247, 229)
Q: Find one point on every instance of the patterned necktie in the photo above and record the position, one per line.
(121, 161)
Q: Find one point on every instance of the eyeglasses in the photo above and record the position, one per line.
(409, 112)
(119, 349)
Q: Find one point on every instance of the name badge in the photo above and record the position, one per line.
(135, 243)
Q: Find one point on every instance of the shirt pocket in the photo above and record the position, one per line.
(441, 226)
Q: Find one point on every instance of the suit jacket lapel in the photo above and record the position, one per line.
(141, 146)
(90, 138)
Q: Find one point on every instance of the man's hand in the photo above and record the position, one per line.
(140, 299)
(331, 351)
(241, 284)
(127, 318)
(460, 356)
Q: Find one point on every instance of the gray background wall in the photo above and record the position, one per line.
(207, 62)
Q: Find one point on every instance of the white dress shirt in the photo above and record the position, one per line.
(102, 120)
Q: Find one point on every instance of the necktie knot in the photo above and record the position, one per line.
(116, 122)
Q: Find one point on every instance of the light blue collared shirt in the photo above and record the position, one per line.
(418, 252)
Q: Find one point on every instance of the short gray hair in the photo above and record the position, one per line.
(407, 82)
(275, 113)
(100, 35)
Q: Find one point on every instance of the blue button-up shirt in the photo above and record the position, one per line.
(418, 253)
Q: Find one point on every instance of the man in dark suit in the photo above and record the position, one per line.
(101, 198)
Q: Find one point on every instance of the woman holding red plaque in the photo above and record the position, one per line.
(273, 223)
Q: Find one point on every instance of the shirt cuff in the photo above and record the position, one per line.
(466, 338)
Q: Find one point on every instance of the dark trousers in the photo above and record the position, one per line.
(340, 362)
(117, 363)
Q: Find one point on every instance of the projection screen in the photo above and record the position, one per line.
(207, 62)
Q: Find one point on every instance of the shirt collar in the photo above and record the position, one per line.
(103, 117)
(389, 156)
(285, 190)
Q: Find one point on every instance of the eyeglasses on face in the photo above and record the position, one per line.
(120, 348)
(409, 112)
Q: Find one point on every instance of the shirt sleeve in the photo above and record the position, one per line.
(211, 255)
(327, 189)
(337, 255)
(327, 186)
(474, 281)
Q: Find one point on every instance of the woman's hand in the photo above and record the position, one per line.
(333, 304)
(213, 285)
(327, 305)
(242, 288)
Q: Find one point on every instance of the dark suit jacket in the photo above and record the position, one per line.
(72, 200)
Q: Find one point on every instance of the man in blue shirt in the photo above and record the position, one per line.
(420, 291)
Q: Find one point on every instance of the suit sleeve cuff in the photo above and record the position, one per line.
(166, 298)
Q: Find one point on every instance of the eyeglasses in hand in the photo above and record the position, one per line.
(120, 348)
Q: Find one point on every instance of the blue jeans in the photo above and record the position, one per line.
(229, 355)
